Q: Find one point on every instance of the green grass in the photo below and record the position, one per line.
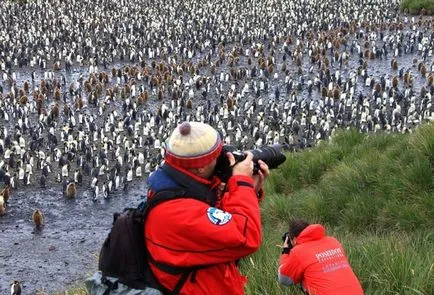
(374, 193)
(415, 6)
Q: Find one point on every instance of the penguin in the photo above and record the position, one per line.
(78, 177)
(6, 193)
(71, 190)
(38, 218)
(2, 206)
(15, 288)
(105, 190)
(43, 181)
(95, 193)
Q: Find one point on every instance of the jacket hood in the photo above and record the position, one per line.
(311, 233)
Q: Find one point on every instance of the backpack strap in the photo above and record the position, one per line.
(185, 272)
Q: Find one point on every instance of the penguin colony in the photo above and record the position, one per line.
(90, 90)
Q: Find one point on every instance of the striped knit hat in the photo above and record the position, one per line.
(193, 145)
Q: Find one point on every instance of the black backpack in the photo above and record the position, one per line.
(124, 255)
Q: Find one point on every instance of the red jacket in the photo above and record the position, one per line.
(320, 264)
(188, 232)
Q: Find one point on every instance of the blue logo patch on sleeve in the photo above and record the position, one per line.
(217, 216)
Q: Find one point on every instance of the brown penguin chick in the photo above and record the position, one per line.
(324, 92)
(55, 111)
(423, 70)
(140, 99)
(99, 88)
(367, 53)
(66, 110)
(230, 103)
(189, 104)
(430, 80)
(408, 78)
(160, 94)
(57, 93)
(336, 93)
(6, 193)
(2, 206)
(394, 64)
(38, 218)
(78, 103)
(26, 86)
(298, 61)
(378, 87)
(23, 100)
(21, 92)
(35, 94)
(395, 81)
(71, 190)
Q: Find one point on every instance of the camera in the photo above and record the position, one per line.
(284, 236)
(272, 155)
(288, 248)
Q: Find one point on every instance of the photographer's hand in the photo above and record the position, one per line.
(263, 173)
(245, 167)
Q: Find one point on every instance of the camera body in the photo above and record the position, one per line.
(289, 247)
(272, 155)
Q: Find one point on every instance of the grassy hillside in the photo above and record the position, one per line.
(415, 6)
(375, 193)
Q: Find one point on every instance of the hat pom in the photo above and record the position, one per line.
(185, 128)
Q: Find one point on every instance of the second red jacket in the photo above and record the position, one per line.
(320, 264)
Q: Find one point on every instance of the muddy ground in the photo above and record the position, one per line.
(65, 250)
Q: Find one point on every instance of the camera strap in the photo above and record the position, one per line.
(192, 187)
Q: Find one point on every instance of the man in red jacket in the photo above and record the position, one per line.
(210, 235)
(316, 261)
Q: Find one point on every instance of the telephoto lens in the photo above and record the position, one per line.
(272, 155)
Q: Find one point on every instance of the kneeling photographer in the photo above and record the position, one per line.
(316, 261)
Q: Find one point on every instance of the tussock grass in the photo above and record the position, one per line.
(415, 6)
(373, 192)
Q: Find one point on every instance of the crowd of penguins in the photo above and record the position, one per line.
(90, 90)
